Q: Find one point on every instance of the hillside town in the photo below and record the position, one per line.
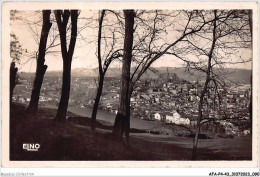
(133, 83)
(169, 99)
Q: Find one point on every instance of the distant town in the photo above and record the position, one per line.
(169, 99)
(130, 84)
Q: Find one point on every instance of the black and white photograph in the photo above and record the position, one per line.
(131, 84)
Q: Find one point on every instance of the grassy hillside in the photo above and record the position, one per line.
(74, 140)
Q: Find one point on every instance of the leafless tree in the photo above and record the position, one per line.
(46, 38)
(112, 51)
(62, 18)
(34, 26)
(218, 44)
(122, 121)
(41, 67)
(150, 44)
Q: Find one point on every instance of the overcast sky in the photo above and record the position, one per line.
(84, 55)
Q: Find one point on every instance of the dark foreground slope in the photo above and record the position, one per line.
(75, 141)
(67, 141)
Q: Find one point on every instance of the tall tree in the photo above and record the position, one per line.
(218, 44)
(41, 67)
(122, 121)
(104, 61)
(205, 87)
(101, 74)
(62, 18)
(16, 52)
(149, 47)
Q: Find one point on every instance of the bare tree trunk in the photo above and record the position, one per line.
(250, 24)
(209, 70)
(122, 121)
(101, 74)
(13, 79)
(102, 68)
(127, 130)
(62, 21)
(41, 67)
(196, 138)
(251, 81)
(251, 106)
(65, 92)
(95, 107)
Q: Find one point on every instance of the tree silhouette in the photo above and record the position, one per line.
(122, 121)
(149, 46)
(62, 18)
(16, 52)
(41, 67)
(111, 52)
(209, 51)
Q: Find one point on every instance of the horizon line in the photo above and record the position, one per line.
(120, 67)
